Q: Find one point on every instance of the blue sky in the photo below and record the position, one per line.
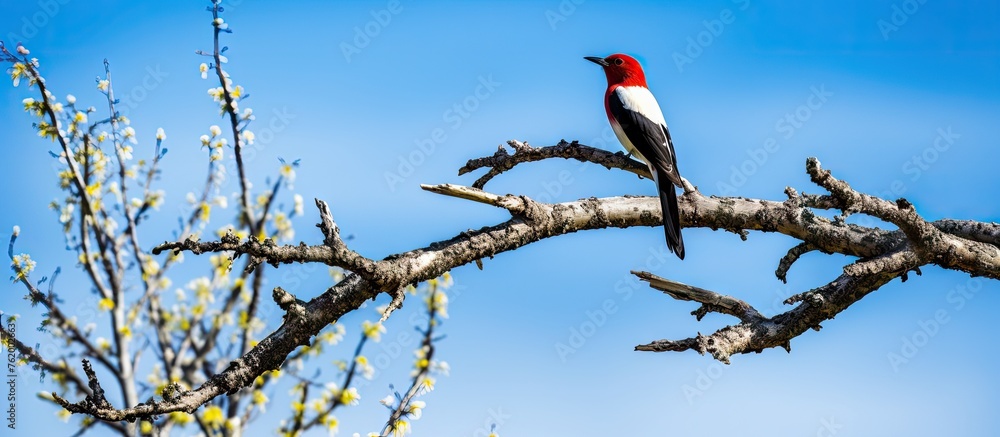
(728, 75)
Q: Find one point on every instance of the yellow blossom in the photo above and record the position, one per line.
(222, 263)
(22, 265)
(150, 266)
(350, 396)
(401, 428)
(373, 331)
(19, 70)
(331, 423)
(259, 398)
(271, 374)
(154, 199)
(427, 384)
(65, 178)
(334, 337)
(204, 211)
(283, 226)
(181, 418)
(202, 288)
(233, 426)
(439, 302)
(318, 405)
(213, 416)
(216, 93)
(106, 304)
(415, 409)
(244, 320)
(367, 371)
(422, 363)
(94, 189)
(129, 134)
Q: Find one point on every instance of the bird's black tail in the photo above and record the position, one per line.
(671, 217)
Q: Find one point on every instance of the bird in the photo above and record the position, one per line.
(639, 125)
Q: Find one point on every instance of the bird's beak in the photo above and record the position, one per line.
(596, 60)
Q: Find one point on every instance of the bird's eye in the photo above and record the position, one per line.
(619, 61)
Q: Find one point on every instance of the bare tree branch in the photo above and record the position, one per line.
(793, 255)
(943, 243)
(502, 161)
(817, 306)
(346, 258)
(710, 300)
(884, 255)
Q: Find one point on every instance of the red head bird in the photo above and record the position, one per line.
(639, 125)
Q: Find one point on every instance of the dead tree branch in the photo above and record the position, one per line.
(883, 255)
(963, 246)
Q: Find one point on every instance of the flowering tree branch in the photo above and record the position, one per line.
(99, 193)
(333, 397)
(405, 404)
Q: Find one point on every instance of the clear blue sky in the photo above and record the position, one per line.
(887, 92)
